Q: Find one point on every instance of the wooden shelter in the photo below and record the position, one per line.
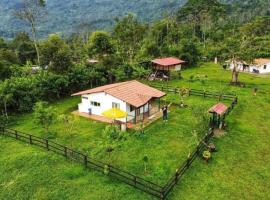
(163, 66)
(218, 112)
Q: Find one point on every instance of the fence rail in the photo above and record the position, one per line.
(122, 175)
(149, 187)
(195, 92)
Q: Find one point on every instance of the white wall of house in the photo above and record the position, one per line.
(239, 67)
(105, 102)
(178, 67)
(264, 68)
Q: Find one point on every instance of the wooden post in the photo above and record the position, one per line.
(65, 149)
(30, 139)
(176, 177)
(162, 196)
(135, 180)
(85, 160)
(135, 118)
(16, 135)
(143, 113)
(158, 104)
(188, 162)
(47, 144)
(148, 109)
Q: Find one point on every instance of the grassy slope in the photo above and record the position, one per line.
(238, 171)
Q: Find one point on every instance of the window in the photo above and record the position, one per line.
(85, 98)
(115, 105)
(94, 103)
(265, 66)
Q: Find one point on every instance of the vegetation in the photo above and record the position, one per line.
(34, 70)
(164, 147)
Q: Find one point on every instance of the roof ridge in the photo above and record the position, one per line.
(118, 84)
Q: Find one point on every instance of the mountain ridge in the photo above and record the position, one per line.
(67, 16)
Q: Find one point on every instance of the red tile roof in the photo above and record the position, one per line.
(168, 61)
(219, 108)
(132, 92)
(261, 61)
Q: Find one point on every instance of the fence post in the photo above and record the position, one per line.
(16, 135)
(188, 162)
(30, 139)
(135, 180)
(47, 144)
(162, 196)
(3, 129)
(65, 149)
(85, 161)
(176, 177)
(236, 99)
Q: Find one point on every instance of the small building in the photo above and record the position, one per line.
(163, 66)
(218, 112)
(138, 100)
(260, 65)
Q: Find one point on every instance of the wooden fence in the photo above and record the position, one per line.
(160, 192)
(119, 174)
(194, 92)
(175, 178)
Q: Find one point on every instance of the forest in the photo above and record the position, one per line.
(33, 69)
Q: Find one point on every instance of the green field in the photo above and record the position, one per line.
(239, 170)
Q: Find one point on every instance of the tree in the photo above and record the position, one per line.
(189, 52)
(24, 47)
(31, 12)
(56, 54)
(5, 96)
(5, 70)
(201, 14)
(145, 162)
(69, 124)
(100, 44)
(44, 115)
(129, 33)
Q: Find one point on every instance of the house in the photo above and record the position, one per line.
(260, 65)
(136, 99)
(163, 66)
(241, 66)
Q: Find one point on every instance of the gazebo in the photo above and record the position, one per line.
(218, 112)
(163, 66)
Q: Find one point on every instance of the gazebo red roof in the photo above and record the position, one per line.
(168, 61)
(219, 108)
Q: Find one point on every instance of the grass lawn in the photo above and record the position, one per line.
(166, 144)
(239, 170)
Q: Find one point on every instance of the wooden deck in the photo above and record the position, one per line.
(93, 117)
(147, 119)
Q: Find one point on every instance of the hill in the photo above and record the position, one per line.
(65, 16)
